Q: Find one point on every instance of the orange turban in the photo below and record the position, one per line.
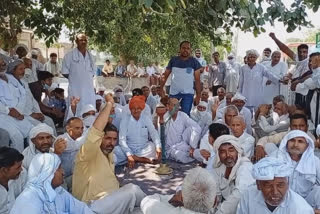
(137, 101)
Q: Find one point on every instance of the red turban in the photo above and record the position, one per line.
(137, 101)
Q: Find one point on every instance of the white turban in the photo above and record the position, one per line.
(34, 52)
(269, 167)
(40, 175)
(234, 142)
(307, 164)
(239, 96)
(318, 130)
(87, 108)
(101, 89)
(203, 104)
(13, 65)
(40, 128)
(252, 52)
(117, 87)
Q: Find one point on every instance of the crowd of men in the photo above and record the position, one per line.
(256, 153)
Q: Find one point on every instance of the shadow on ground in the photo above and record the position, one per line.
(144, 176)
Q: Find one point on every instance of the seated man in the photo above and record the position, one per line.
(239, 101)
(42, 86)
(232, 172)
(182, 133)
(57, 99)
(135, 130)
(220, 99)
(74, 137)
(41, 140)
(202, 117)
(272, 193)
(150, 100)
(93, 176)
(297, 148)
(217, 109)
(229, 112)
(277, 122)
(146, 111)
(198, 195)
(238, 127)
(206, 153)
(43, 193)
(264, 145)
(154, 93)
(12, 178)
(205, 96)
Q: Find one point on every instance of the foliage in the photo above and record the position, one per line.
(310, 36)
(149, 29)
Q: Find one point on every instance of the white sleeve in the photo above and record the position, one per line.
(303, 88)
(265, 126)
(156, 204)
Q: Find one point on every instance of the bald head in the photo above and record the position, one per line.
(82, 41)
(230, 112)
(238, 125)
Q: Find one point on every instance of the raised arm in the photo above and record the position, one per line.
(285, 49)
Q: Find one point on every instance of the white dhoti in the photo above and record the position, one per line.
(17, 130)
(148, 152)
(180, 150)
(122, 201)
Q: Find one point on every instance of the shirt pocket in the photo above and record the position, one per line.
(144, 132)
(189, 70)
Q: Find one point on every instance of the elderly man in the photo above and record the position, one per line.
(43, 192)
(135, 131)
(74, 137)
(239, 101)
(146, 111)
(218, 108)
(272, 193)
(229, 112)
(238, 127)
(93, 176)
(41, 140)
(202, 117)
(12, 178)
(79, 67)
(219, 99)
(11, 102)
(279, 69)
(29, 75)
(150, 100)
(264, 144)
(182, 133)
(297, 148)
(205, 96)
(205, 153)
(198, 195)
(232, 172)
(231, 80)
(217, 73)
(184, 69)
(277, 122)
(251, 80)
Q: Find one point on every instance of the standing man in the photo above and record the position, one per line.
(203, 63)
(217, 73)
(185, 69)
(53, 66)
(79, 67)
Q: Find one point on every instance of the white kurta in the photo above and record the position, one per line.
(232, 188)
(69, 154)
(7, 198)
(182, 134)
(231, 80)
(80, 70)
(13, 97)
(64, 203)
(250, 83)
(281, 124)
(247, 143)
(134, 138)
(252, 202)
(272, 90)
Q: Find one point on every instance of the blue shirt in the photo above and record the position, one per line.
(182, 77)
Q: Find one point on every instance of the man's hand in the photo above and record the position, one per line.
(215, 105)
(268, 82)
(205, 154)
(75, 101)
(294, 85)
(59, 146)
(159, 154)
(191, 152)
(109, 98)
(316, 211)
(131, 162)
(37, 116)
(177, 200)
(15, 114)
(260, 153)
(272, 35)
